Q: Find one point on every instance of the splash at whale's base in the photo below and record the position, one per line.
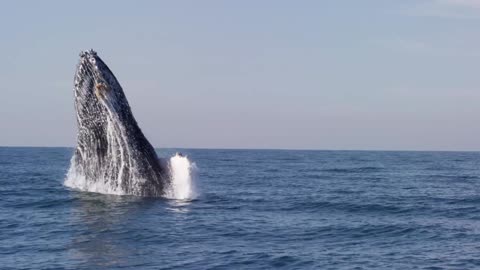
(182, 185)
(183, 174)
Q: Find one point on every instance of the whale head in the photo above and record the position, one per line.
(111, 151)
(97, 92)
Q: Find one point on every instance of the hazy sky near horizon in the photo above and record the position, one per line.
(252, 74)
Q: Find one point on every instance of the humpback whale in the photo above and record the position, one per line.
(111, 149)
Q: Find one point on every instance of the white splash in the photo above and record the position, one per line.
(184, 174)
(78, 181)
(182, 183)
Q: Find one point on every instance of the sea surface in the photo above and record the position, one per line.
(256, 209)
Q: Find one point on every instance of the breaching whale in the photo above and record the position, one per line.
(111, 149)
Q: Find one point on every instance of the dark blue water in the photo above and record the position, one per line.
(257, 210)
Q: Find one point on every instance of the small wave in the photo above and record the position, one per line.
(354, 170)
(349, 207)
(453, 177)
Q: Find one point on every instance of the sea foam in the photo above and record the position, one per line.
(184, 174)
(182, 184)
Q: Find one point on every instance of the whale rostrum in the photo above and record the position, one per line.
(111, 148)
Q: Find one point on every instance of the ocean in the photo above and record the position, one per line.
(254, 209)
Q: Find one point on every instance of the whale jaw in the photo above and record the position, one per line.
(111, 149)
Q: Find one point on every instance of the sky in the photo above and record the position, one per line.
(339, 75)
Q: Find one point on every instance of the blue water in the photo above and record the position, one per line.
(257, 209)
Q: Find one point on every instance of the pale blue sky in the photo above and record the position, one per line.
(252, 74)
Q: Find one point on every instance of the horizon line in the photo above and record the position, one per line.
(263, 149)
